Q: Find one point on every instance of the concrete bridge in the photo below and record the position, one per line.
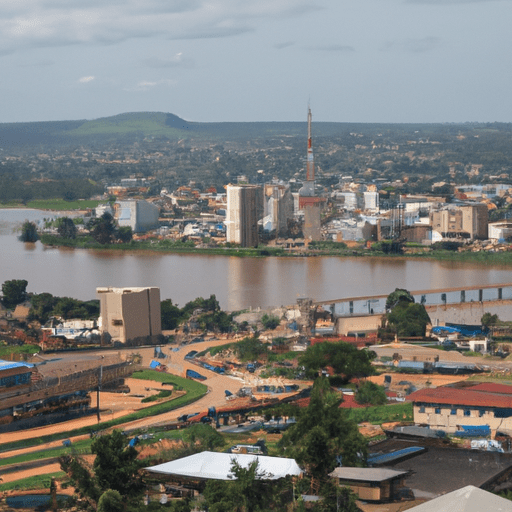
(466, 304)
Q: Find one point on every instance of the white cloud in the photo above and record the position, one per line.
(43, 23)
(86, 79)
(146, 85)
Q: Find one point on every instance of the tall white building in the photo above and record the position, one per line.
(244, 207)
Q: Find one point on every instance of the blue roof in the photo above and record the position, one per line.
(9, 365)
(388, 457)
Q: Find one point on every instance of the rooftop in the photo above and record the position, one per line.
(465, 397)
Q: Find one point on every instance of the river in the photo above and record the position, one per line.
(238, 283)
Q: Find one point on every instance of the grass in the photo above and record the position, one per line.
(80, 447)
(194, 391)
(8, 350)
(382, 413)
(33, 482)
(62, 205)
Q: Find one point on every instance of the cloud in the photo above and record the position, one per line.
(413, 45)
(332, 48)
(146, 85)
(86, 79)
(49, 23)
(280, 46)
(176, 61)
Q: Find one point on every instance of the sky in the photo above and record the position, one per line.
(390, 61)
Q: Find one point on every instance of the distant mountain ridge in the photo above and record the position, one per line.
(140, 125)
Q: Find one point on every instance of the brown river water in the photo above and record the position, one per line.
(238, 283)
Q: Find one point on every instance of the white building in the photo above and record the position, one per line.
(244, 206)
(140, 215)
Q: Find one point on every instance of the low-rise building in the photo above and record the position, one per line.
(450, 409)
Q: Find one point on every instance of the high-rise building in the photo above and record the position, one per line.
(278, 207)
(137, 214)
(244, 208)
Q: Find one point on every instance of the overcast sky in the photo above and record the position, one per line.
(257, 60)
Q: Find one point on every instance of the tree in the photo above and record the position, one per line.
(408, 319)
(103, 229)
(322, 434)
(110, 501)
(488, 319)
(29, 232)
(125, 234)
(14, 292)
(399, 295)
(344, 358)
(66, 227)
(116, 466)
(270, 321)
(248, 492)
(170, 315)
(370, 393)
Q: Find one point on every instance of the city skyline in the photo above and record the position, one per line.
(399, 61)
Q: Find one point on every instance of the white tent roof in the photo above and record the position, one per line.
(217, 466)
(467, 499)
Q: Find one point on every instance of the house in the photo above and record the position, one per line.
(450, 409)
(371, 484)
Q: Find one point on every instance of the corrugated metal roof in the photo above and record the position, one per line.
(367, 474)
(9, 365)
(464, 397)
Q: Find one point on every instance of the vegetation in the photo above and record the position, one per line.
(270, 321)
(29, 232)
(404, 316)
(33, 482)
(14, 292)
(369, 393)
(345, 359)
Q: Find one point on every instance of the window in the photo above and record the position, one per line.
(438, 410)
(422, 408)
(500, 293)
(463, 296)
(467, 412)
(351, 306)
(453, 412)
(481, 412)
(117, 322)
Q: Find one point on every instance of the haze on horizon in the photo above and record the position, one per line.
(394, 61)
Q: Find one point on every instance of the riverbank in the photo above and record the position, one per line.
(482, 257)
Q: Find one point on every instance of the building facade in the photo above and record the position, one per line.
(469, 221)
(130, 315)
(244, 207)
(139, 215)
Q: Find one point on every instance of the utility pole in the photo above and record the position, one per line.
(100, 376)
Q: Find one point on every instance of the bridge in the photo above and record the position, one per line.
(466, 304)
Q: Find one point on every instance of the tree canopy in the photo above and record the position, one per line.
(322, 435)
(14, 292)
(344, 358)
(29, 232)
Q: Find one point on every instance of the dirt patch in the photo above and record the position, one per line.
(158, 448)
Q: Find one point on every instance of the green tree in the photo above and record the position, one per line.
(170, 315)
(248, 492)
(488, 319)
(323, 433)
(110, 501)
(42, 305)
(14, 292)
(343, 357)
(116, 466)
(125, 234)
(103, 230)
(250, 348)
(270, 321)
(399, 295)
(29, 232)
(66, 227)
(370, 393)
(408, 319)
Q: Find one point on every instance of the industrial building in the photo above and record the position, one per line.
(130, 315)
(468, 222)
(137, 214)
(244, 208)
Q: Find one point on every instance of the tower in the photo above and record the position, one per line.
(308, 201)
(244, 205)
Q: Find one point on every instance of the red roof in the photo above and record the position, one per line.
(464, 397)
(490, 387)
